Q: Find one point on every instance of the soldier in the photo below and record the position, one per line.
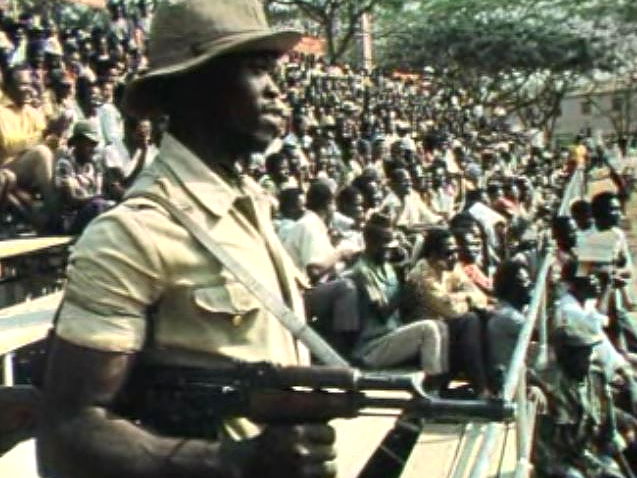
(144, 293)
(578, 436)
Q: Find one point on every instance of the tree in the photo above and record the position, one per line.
(527, 54)
(336, 20)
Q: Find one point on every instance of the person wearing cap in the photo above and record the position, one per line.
(142, 292)
(573, 439)
(78, 181)
(384, 339)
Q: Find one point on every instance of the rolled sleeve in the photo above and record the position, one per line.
(114, 276)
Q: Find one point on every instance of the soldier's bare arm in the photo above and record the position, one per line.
(79, 437)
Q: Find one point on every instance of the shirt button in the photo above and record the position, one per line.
(236, 320)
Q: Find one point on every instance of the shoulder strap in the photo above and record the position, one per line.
(288, 318)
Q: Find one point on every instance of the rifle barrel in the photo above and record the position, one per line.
(427, 407)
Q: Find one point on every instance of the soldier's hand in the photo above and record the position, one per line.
(303, 451)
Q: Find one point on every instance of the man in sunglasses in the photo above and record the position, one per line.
(439, 289)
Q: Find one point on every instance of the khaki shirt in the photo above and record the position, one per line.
(135, 270)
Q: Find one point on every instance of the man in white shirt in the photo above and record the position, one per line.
(577, 308)
(333, 302)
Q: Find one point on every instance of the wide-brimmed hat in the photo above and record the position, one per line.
(188, 33)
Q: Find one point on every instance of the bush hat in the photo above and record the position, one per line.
(188, 33)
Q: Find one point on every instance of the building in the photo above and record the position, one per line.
(608, 108)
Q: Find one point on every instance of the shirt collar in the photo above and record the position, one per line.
(206, 187)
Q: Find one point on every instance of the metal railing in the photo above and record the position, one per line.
(514, 387)
(22, 325)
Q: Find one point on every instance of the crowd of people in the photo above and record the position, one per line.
(414, 218)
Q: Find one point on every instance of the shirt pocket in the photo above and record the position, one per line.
(231, 301)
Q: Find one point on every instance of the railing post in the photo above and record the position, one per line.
(522, 416)
(7, 369)
(543, 351)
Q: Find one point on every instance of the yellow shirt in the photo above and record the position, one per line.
(20, 129)
(446, 295)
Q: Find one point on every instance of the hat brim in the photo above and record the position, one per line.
(91, 137)
(278, 41)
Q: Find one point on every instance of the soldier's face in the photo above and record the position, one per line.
(240, 101)
(258, 114)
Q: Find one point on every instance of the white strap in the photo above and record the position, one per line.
(288, 318)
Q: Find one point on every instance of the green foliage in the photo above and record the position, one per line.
(492, 36)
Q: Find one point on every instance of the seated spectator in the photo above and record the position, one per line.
(512, 287)
(384, 339)
(349, 218)
(291, 209)
(369, 186)
(442, 197)
(23, 151)
(78, 182)
(309, 243)
(404, 205)
(470, 248)
(438, 289)
(277, 175)
(333, 303)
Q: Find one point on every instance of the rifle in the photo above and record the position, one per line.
(191, 401)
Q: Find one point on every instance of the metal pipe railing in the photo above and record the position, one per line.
(515, 381)
(574, 189)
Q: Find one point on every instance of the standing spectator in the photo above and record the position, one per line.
(583, 216)
(573, 436)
